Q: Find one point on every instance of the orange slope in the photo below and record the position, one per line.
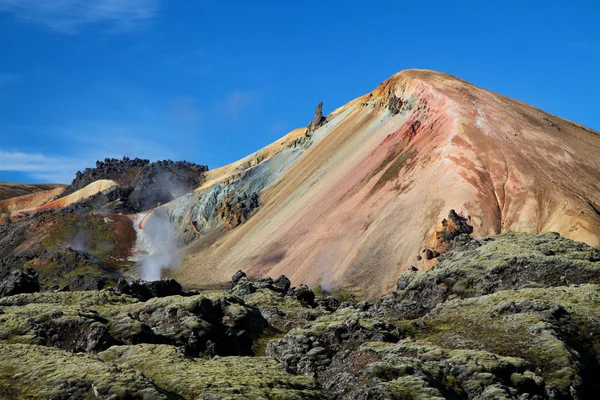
(88, 191)
(30, 200)
(360, 204)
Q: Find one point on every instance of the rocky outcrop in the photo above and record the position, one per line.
(318, 119)
(25, 281)
(390, 102)
(145, 291)
(143, 184)
(480, 267)
(93, 321)
(452, 226)
(501, 317)
(235, 210)
(513, 316)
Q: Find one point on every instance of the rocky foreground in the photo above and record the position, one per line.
(513, 316)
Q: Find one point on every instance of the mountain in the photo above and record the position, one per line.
(355, 199)
(10, 190)
(380, 186)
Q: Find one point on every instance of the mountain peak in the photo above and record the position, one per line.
(360, 201)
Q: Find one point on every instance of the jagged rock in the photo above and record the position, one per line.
(236, 277)
(94, 321)
(330, 303)
(305, 295)
(318, 119)
(430, 254)
(451, 228)
(395, 105)
(147, 290)
(390, 102)
(241, 286)
(87, 332)
(20, 282)
(281, 284)
(310, 349)
(235, 210)
(514, 316)
(244, 287)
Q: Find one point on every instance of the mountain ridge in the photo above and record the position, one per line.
(378, 187)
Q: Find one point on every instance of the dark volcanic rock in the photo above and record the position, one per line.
(88, 332)
(311, 349)
(305, 295)
(236, 277)
(452, 227)
(281, 284)
(318, 119)
(147, 290)
(18, 281)
(143, 185)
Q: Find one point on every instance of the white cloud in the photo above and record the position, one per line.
(39, 166)
(68, 16)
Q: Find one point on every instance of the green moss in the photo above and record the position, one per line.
(227, 377)
(260, 345)
(528, 334)
(388, 372)
(102, 241)
(41, 372)
(48, 243)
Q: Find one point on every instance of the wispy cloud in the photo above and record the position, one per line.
(83, 147)
(69, 16)
(39, 166)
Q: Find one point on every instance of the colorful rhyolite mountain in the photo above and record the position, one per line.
(354, 200)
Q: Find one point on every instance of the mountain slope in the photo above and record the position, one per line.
(356, 201)
(10, 190)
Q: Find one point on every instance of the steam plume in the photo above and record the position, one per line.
(159, 242)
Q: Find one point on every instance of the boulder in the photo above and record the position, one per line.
(20, 281)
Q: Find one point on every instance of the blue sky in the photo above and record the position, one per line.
(212, 81)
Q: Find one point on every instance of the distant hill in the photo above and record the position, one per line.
(9, 190)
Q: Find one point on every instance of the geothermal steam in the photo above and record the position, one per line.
(157, 238)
